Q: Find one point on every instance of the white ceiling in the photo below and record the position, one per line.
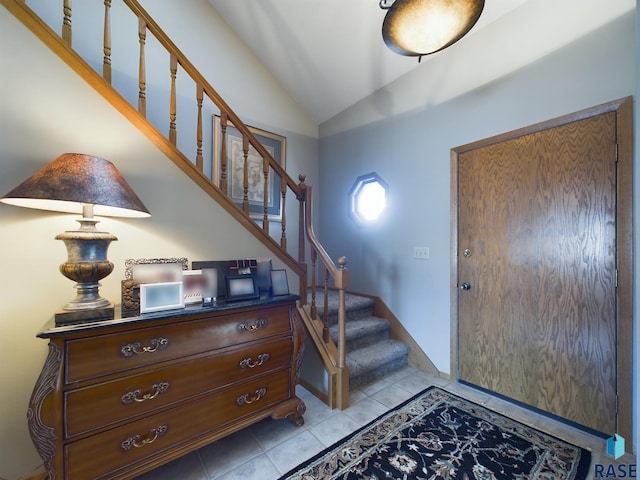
(329, 54)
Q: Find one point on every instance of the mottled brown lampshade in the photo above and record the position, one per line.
(420, 27)
(73, 180)
(78, 183)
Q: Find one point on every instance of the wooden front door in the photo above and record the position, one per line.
(537, 267)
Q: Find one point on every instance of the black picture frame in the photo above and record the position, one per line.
(241, 287)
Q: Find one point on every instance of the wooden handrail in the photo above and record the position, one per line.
(62, 46)
(208, 90)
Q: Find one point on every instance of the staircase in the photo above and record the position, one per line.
(365, 352)
(371, 354)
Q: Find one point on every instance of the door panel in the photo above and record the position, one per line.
(537, 214)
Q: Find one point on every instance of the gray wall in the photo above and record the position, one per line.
(411, 151)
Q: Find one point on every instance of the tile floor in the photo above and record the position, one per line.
(270, 448)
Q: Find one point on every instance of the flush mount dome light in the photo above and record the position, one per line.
(368, 198)
(419, 27)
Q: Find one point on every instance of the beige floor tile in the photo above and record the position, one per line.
(188, 467)
(365, 411)
(317, 411)
(391, 396)
(294, 451)
(334, 428)
(229, 452)
(270, 433)
(258, 468)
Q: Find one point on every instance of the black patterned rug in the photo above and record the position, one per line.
(438, 435)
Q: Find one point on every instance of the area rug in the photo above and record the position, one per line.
(439, 435)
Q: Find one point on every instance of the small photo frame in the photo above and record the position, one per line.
(221, 268)
(193, 283)
(241, 287)
(279, 283)
(155, 297)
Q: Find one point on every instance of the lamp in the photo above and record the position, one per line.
(419, 27)
(78, 183)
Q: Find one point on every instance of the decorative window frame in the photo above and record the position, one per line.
(357, 189)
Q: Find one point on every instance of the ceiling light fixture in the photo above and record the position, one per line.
(420, 27)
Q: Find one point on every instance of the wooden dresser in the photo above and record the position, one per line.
(120, 397)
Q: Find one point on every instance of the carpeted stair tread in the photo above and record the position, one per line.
(371, 354)
(356, 306)
(376, 361)
(363, 332)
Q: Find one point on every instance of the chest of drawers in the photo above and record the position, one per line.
(121, 397)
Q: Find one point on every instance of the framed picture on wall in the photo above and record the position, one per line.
(275, 144)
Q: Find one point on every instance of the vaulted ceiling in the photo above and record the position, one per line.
(329, 54)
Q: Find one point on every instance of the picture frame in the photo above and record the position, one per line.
(275, 144)
(149, 270)
(199, 285)
(221, 267)
(154, 270)
(155, 297)
(241, 287)
(279, 283)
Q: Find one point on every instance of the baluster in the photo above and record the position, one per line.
(325, 320)
(283, 212)
(172, 104)
(199, 98)
(301, 195)
(245, 184)
(106, 63)
(223, 152)
(66, 22)
(314, 307)
(302, 199)
(265, 172)
(142, 73)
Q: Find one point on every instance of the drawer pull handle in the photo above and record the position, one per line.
(247, 363)
(259, 323)
(138, 442)
(245, 400)
(136, 348)
(156, 389)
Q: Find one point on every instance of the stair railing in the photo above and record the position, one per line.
(62, 45)
(338, 395)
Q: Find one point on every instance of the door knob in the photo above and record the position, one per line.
(465, 286)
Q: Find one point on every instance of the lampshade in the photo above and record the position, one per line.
(78, 183)
(73, 180)
(420, 27)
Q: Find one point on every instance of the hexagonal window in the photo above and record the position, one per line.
(368, 198)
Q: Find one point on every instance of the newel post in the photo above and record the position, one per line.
(342, 283)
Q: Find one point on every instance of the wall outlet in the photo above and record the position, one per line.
(421, 253)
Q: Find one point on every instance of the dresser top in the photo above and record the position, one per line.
(51, 330)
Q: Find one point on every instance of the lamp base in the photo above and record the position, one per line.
(72, 317)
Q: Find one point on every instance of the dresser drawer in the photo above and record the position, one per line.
(107, 454)
(110, 402)
(111, 353)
